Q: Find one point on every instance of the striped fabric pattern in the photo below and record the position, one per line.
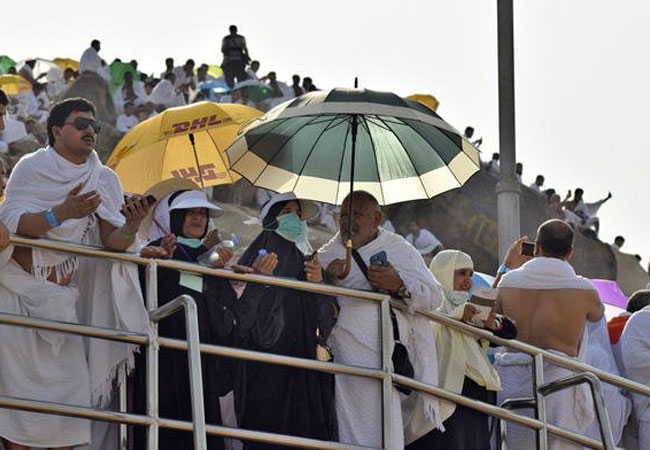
(404, 150)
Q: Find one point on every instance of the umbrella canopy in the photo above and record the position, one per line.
(427, 100)
(404, 150)
(6, 63)
(160, 148)
(14, 84)
(255, 90)
(41, 67)
(215, 71)
(65, 63)
(118, 70)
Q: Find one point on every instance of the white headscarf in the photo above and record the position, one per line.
(443, 266)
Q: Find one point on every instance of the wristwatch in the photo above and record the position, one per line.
(502, 269)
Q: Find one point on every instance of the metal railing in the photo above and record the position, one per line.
(383, 374)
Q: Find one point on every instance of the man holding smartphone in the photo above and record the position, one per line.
(550, 305)
(63, 192)
(393, 266)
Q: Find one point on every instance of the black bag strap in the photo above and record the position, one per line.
(364, 269)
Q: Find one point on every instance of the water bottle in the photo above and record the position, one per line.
(211, 256)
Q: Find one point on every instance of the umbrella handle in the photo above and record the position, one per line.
(348, 259)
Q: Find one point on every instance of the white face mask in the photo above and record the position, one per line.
(457, 298)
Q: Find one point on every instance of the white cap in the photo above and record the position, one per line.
(195, 199)
(308, 208)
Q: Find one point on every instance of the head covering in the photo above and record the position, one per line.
(181, 202)
(308, 208)
(156, 224)
(446, 263)
(193, 199)
(271, 209)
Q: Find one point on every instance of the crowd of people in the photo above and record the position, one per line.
(137, 95)
(581, 215)
(63, 192)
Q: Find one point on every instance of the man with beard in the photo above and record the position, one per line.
(355, 340)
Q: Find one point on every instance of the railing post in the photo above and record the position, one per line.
(196, 377)
(152, 358)
(387, 368)
(540, 401)
(122, 407)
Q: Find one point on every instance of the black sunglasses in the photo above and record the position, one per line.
(81, 123)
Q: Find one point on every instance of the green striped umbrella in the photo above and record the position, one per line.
(402, 149)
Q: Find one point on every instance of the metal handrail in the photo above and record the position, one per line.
(188, 305)
(385, 374)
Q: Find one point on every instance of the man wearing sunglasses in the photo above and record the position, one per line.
(63, 192)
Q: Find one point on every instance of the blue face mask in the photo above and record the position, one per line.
(192, 243)
(291, 227)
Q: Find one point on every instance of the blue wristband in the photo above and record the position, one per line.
(502, 269)
(51, 218)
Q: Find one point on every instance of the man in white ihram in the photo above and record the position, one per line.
(63, 192)
(356, 338)
(550, 305)
(635, 352)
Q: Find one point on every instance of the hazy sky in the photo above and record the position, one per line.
(582, 69)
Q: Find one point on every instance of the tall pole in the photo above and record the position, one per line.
(508, 189)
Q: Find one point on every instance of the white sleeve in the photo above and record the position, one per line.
(429, 240)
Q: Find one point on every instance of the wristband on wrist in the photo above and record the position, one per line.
(502, 269)
(51, 218)
(124, 234)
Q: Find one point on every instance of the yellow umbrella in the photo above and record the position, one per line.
(427, 100)
(14, 84)
(64, 63)
(161, 147)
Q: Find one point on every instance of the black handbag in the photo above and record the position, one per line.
(401, 362)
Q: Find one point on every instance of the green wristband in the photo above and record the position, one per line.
(124, 234)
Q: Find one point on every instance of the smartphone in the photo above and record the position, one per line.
(150, 199)
(379, 259)
(528, 249)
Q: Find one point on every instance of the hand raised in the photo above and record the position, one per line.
(313, 270)
(266, 264)
(384, 277)
(76, 206)
(168, 242)
(514, 259)
(135, 210)
(212, 238)
(225, 254)
(335, 269)
(154, 251)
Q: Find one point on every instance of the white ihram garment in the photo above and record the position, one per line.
(600, 355)
(356, 340)
(572, 408)
(635, 350)
(57, 367)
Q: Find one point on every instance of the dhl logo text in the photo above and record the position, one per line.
(202, 122)
(208, 173)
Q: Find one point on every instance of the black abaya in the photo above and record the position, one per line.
(277, 398)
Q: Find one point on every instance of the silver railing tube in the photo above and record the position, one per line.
(193, 359)
(387, 368)
(152, 359)
(540, 403)
(154, 421)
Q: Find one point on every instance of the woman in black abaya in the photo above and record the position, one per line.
(189, 213)
(289, 322)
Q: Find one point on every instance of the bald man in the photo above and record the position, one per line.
(550, 305)
(356, 340)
